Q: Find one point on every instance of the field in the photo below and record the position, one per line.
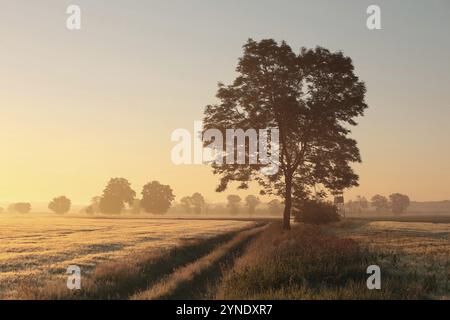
(331, 262)
(125, 258)
(40, 248)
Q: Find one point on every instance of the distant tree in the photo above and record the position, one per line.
(22, 207)
(399, 202)
(233, 203)
(136, 206)
(117, 193)
(220, 209)
(94, 207)
(60, 205)
(251, 202)
(380, 203)
(312, 98)
(363, 204)
(186, 203)
(1, 210)
(198, 203)
(275, 207)
(352, 206)
(95, 203)
(156, 198)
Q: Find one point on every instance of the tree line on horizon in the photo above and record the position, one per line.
(396, 203)
(156, 198)
(118, 196)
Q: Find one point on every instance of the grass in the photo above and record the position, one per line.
(35, 252)
(182, 283)
(169, 259)
(421, 249)
(307, 263)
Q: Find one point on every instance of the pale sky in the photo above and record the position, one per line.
(79, 107)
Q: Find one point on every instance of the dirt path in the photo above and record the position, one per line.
(197, 280)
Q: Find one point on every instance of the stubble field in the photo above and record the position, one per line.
(40, 248)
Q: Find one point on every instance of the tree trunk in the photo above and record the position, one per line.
(287, 204)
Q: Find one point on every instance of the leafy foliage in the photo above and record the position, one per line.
(234, 203)
(380, 203)
(60, 205)
(20, 207)
(317, 212)
(311, 98)
(252, 202)
(399, 202)
(117, 193)
(156, 197)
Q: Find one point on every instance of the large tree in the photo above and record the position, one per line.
(156, 197)
(312, 98)
(117, 193)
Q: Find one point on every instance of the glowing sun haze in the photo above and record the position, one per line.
(80, 107)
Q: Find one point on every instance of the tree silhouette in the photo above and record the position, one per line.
(234, 203)
(380, 203)
(363, 204)
(399, 202)
(311, 98)
(198, 203)
(60, 205)
(186, 203)
(21, 207)
(95, 203)
(117, 193)
(94, 207)
(156, 198)
(252, 202)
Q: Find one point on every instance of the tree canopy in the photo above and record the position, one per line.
(60, 205)
(380, 203)
(156, 197)
(234, 203)
(312, 97)
(252, 202)
(117, 193)
(399, 202)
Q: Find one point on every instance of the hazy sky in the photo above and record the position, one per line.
(79, 107)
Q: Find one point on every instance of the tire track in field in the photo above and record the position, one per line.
(191, 280)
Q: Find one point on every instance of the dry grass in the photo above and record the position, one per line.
(173, 285)
(309, 264)
(421, 248)
(170, 259)
(36, 250)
